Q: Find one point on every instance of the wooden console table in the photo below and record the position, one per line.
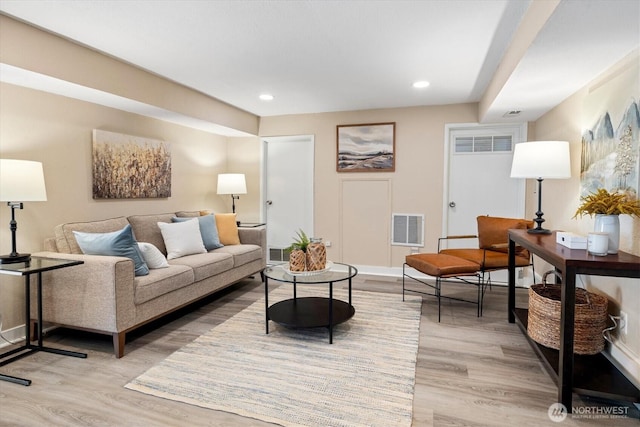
(587, 375)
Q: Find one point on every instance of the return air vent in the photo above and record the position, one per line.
(278, 255)
(407, 229)
(483, 144)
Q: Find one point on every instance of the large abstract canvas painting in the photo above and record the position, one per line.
(611, 140)
(130, 167)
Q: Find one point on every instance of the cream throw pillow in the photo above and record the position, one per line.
(152, 255)
(182, 238)
(227, 229)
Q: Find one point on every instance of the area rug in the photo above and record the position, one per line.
(295, 377)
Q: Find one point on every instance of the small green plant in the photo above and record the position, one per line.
(605, 203)
(301, 242)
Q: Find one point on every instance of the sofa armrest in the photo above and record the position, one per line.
(255, 236)
(97, 295)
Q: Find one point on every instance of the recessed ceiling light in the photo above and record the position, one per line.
(421, 84)
(266, 97)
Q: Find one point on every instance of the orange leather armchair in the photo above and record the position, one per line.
(493, 241)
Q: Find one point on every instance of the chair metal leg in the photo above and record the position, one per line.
(403, 267)
(438, 295)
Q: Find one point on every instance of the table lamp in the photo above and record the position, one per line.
(541, 160)
(20, 181)
(234, 184)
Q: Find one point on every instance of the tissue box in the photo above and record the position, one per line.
(570, 240)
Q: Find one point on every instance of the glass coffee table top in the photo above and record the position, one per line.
(334, 272)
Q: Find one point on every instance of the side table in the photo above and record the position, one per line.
(36, 266)
(251, 224)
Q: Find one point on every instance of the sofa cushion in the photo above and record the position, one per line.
(227, 229)
(66, 242)
(242, 254)
(206, 265)
(116, 243)
(161, 281)
(152, 256)
(182, 238)
(145, 228)
(208, 230)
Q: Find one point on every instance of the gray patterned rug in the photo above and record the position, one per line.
(295, 377)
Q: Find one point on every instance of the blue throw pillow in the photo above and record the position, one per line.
(208, 230)
(117, 243)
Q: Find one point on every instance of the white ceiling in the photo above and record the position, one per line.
(319, 56)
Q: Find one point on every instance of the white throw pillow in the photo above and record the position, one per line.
(182, 238)
(152, 255)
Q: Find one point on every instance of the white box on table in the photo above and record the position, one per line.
(571, 240)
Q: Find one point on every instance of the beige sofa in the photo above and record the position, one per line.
(103, 295)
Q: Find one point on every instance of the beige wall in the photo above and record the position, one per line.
(57, 131)
(414, 187)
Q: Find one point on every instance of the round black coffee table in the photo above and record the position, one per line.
(309, 312)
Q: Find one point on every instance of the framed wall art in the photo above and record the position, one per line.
(130, 167)
(611, 141)
(366, 147)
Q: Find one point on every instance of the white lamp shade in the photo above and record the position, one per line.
(232, 183)
(21, 181)
(541, 159)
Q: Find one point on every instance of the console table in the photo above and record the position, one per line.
(587, 375)
(36, 266)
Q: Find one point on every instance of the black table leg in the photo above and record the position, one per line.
(330, 312)
(567, 316)
(266, 303)
(511, 295)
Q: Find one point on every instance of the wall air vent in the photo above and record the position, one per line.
(407, 229)
(278, 255)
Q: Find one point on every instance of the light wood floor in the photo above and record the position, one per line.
(470, 372)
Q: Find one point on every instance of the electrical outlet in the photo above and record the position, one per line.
(415, 250)
(327, 243)
(622, 325)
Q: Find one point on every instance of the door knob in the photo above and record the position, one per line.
(269, 202)
(452, 204)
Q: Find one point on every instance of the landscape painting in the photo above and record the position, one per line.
(366, 148)
(611, 141)
(130, 167)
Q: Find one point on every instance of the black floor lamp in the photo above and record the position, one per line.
(541, 160)
(20, 181)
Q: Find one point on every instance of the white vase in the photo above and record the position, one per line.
(609, 224)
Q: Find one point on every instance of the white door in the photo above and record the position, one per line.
(478, 183)
(288, 191)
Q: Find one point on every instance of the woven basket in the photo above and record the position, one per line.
(297, 260)
(544, 318)
(316, 255)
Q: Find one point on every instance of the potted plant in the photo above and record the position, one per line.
(298, 249)
(607, 207)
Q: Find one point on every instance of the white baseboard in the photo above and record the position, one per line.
(15, 335)
(396, 272)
